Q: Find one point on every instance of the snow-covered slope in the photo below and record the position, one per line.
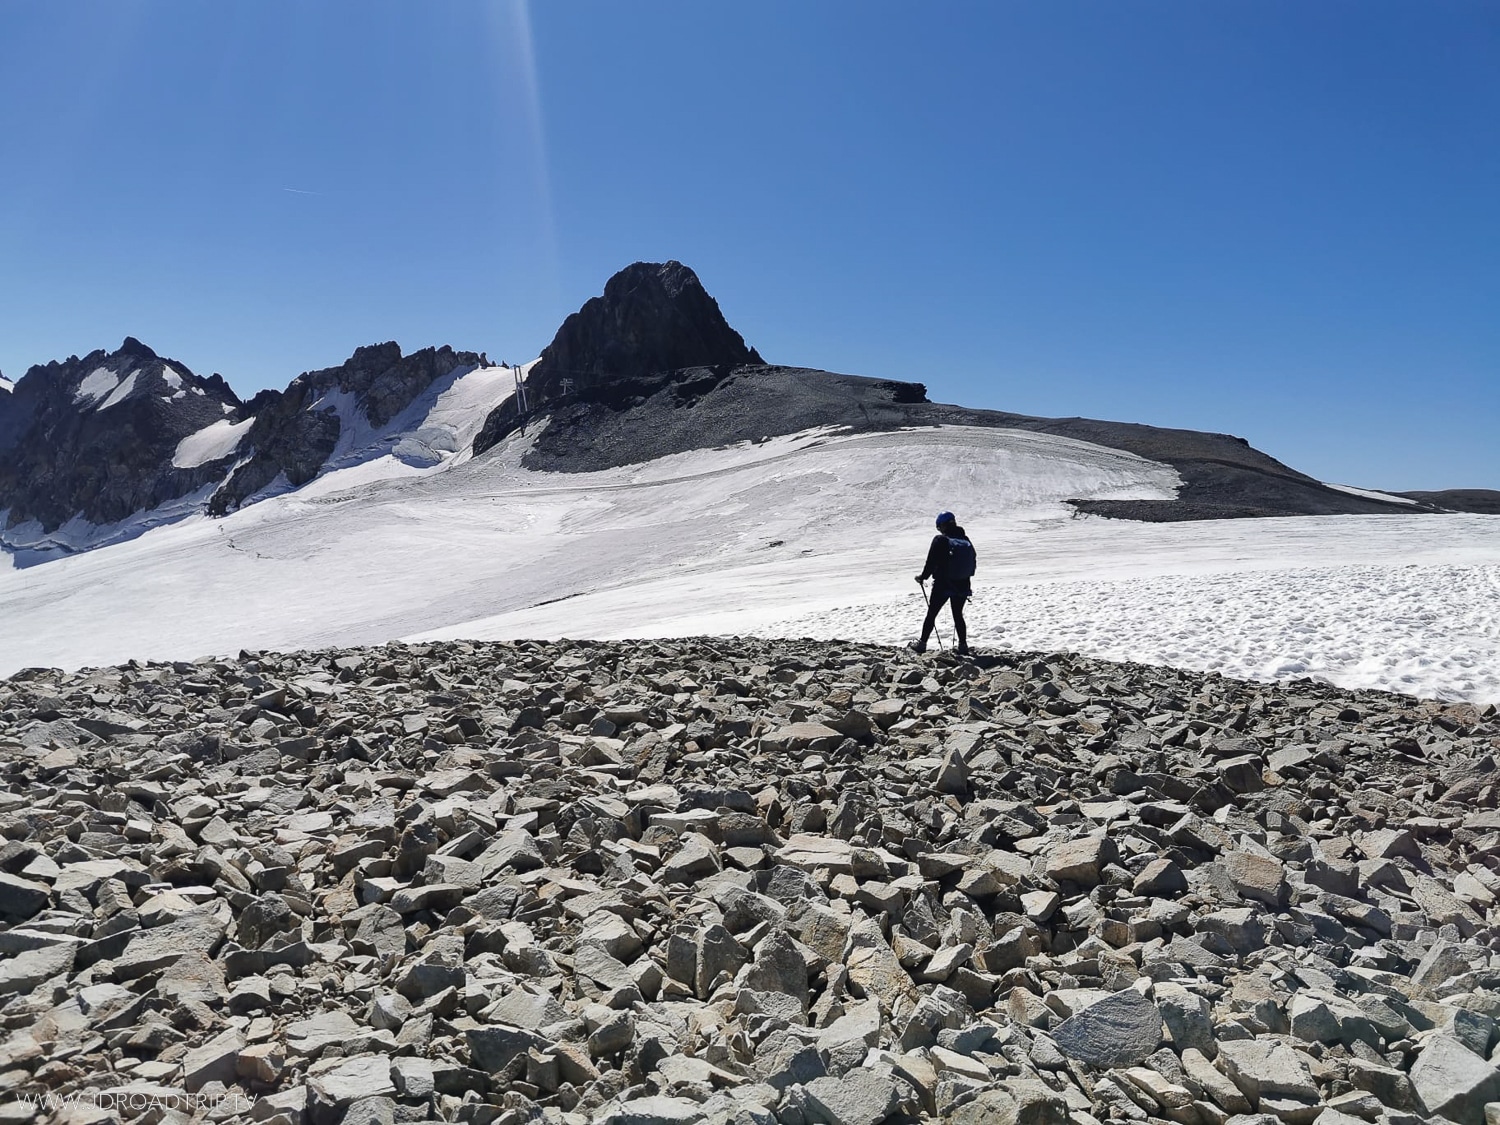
(224, 448)
(1374, 494)
(818, 534)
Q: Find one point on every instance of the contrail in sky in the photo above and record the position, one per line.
(300, 191)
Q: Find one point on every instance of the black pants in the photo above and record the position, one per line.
(941, 594)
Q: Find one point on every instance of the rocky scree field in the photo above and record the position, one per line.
(740, 881)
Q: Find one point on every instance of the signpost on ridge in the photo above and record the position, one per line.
(520, 396)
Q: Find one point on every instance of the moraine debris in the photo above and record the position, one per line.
(741, 881)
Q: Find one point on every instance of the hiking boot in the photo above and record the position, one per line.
(963, 650)
(916, 646)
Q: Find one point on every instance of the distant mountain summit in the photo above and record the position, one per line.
(96, 438)
(115, 437)
(652, 318)
(97, 449)
(653, 321)
(651, 368)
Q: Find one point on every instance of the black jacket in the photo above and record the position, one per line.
(937, 563)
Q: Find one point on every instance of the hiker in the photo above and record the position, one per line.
(950, 565)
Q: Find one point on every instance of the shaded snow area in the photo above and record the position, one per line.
(217, 439)
(26, 544)
(814, 534)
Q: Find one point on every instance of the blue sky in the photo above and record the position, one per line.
(1275, 219)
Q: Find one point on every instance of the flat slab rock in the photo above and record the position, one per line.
(1119, 1030)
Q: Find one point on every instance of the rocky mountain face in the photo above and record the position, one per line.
(296, 430)
(96, 437)
(655, 328)
(742, 881)
(119, 433)
(1483, 501)
(651, 368)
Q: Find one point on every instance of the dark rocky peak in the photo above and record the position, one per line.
(380, 379)
(98, 436)
(653, 318)
(133, 347)
(101, 381)
(655, 326)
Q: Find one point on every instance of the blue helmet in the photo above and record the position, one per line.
(945, 518)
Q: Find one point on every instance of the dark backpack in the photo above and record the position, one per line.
(961, 558)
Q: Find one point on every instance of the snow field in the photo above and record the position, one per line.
(217, 439)
(814, 534)
(1420, 630)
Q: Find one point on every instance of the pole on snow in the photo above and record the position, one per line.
(938, 632)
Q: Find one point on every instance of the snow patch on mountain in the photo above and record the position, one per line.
(6, 386)
(1372, 494)
(97, 384)
(216, 440)
(120, 393)
(435, 432)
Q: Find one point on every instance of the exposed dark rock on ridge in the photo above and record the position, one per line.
(1223, 476)
(706, 407)
(1482, 501)
(297, 430)
(652, 320)
(651, 368)
(95, 437)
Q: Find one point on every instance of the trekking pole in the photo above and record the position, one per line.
(937, 632)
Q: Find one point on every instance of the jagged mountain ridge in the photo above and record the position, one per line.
(649, 368)
(116, 434)
(96, 436)
(297, 430)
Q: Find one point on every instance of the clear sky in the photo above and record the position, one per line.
(1266, 217)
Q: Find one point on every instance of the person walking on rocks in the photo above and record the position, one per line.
(950, 565)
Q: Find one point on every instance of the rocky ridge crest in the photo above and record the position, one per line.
(99, 438)
(296, 430)
(651, 368)
(647, 369)
(654, 328)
